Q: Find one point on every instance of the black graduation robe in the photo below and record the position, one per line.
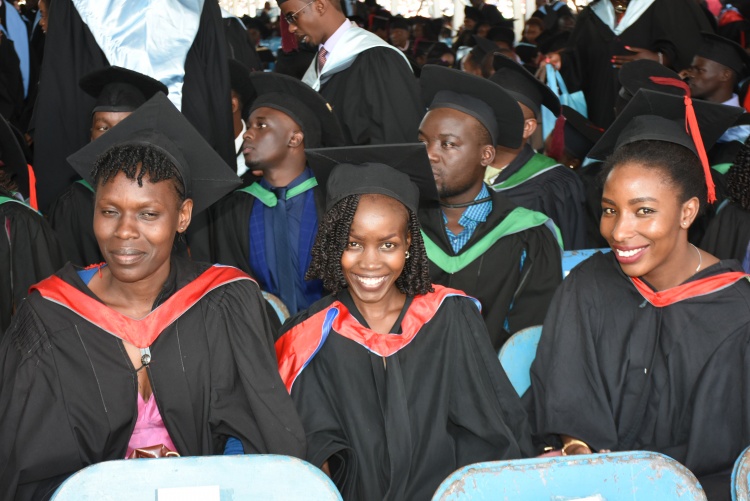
(29, 252)
(394, 426)
(68, 390)
(72, 218)
(620, 373)
(728, 234)
(669, 26)
(514, 278)
(556, 192)
(376, 99)
(593, 187)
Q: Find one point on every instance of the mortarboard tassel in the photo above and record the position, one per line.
(32, 188)
(557, 143)
(691, 125)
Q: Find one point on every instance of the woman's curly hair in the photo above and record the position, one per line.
(738, 178)
(137, 161)
(333, 237)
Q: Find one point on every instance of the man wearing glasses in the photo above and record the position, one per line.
(368, 82)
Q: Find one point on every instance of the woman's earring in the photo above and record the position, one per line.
(407, 255)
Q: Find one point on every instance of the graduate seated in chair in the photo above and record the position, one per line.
(146, 349)
(648, 347)
(267, 229)
(118, 93)
(394, 378)
(479, 241)
(528, 178)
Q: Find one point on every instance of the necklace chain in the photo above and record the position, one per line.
(700, 259)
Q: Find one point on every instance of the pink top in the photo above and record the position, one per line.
(149, 427)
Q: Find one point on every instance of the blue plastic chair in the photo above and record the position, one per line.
(572, 258)
(741, 477)
(517, 354)
(278, 306)
(261, 477)
(634, 475)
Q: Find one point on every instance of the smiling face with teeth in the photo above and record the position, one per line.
(642, 220)
(376, 252)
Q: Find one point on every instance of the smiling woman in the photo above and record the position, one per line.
(395, 380)
(643, 347)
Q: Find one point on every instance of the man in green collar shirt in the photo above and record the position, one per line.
(508, 257)
(267, 228)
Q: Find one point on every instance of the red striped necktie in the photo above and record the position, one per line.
(322, 56)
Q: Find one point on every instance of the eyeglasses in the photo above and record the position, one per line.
(292, 18)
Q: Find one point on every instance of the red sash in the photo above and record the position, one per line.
(143, 332)
(687, 290)
(297, 347)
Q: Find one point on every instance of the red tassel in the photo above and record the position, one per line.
(557, 142)
(691, 125)
(32, 188)
(288, 40)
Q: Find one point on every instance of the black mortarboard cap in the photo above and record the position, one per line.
(399, 23)
(552, 42)
(302, 104)
(524, 86)
(636, 75)
(482, 48)
(502, 34)
(239, 81)
(158, 123)
(13, 157)
(659, 116)
(473, 13)
(580, 133)
(400, 171)
(478, 97)
(119, 89)
(724, 51)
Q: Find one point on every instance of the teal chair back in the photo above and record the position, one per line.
(572, 258)
(741, 477)
(221, 478)
(517, 354)
(634, 475)
(278, 306)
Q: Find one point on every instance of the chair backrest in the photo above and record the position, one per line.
(741, 477)
(572, 258)
(634, 475)
(278, 306)
(265, 477)
(517, 354)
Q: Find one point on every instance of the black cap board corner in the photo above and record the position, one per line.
(118, 89)
(525, 87)
(636, 75)
(450, 88)
(158, 123)
(401, 171)
(724, 51)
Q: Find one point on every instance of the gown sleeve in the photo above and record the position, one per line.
(542, 273)
(485, 411)
(568, 391)
(273, 426)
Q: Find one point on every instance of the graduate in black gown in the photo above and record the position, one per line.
(29, 251)
(256, 228)
(728, 234)
(118, 92)
(91, 351)
(648, 347)
(530, 179)
(478, 240)
(394, 378)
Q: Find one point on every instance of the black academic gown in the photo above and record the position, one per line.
(72, 218)
(728, 234)
(376, 99)
(514, 279)
(669, 26)
(558, 193)
(29, 252)
(68, 391)
(395, 427)
(619, 373)
(593, 187)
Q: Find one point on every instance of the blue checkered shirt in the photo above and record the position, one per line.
(472, 216)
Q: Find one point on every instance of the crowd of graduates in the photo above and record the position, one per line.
(385, 202)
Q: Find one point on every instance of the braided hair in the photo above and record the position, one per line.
(137, 161)
(738, 178)
(333, 237)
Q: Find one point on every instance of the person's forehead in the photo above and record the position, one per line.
(271, 114)
(449, 121)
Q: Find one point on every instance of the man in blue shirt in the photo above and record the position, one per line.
(267, 228)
